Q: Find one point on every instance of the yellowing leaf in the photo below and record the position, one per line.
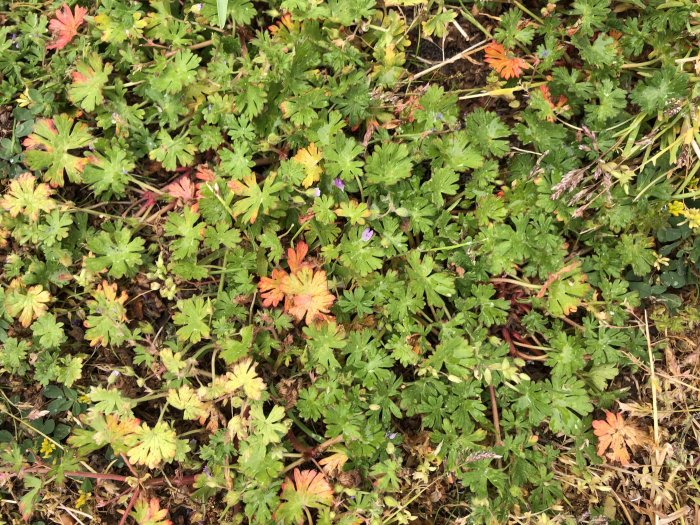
(52, 145)
(254, 197)
(308, 295)
(186, 399)
(27, 304)
(27, 198)
(105, 430)
(309, 158)
(617, 435)
(153, 446)
(89, 79)
(107, 320)
(334, 462)
(244, 376)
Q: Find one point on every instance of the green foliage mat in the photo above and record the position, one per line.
(259, 269)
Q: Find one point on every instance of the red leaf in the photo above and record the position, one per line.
(65, 26)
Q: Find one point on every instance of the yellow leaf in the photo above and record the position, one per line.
(334, 462)
(309, 157)
(308, 295)
(28, 304)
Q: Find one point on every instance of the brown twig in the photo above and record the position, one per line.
(494, 413)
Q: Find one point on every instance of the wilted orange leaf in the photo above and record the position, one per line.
(271, 287)
(182, 189)
(503, 61)
(617, 435)
(65, 26)
(295, 256)
(305, 292)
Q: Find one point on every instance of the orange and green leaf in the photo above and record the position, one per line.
(295, 256)
(148, 512)
(308, 490)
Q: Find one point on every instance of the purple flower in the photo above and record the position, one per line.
(367, 234)
(338, 183)
(316, 192)
(206, 471)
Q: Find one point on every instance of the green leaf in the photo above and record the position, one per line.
(111, 401)
(47, 332)
(189, 234)
(109, 172)
(388, 164)
(270, 428)
(426, 281)
(115, 250)
(13, 357)
(565, 295)
(193, 319)
(172, 152)
(666, 87)
(221, 11)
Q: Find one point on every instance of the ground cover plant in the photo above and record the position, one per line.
(348, 261)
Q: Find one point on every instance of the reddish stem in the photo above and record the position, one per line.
(130, 506)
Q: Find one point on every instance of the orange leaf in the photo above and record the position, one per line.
(271, 288)
(308, 295)
(205, 173)
(181, 189)
(503, 61)
(617, 435)
(334, 462)
(295, 256)
(65, 26)
(311, 486)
